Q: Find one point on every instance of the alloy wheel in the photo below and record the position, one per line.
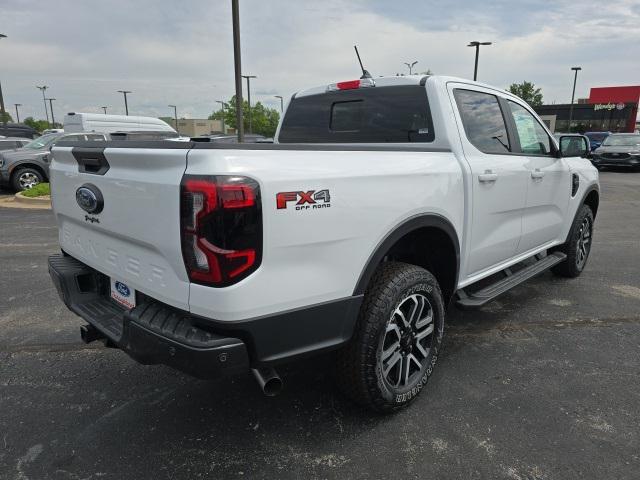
(407, 341)
(28, 180)
(584, 243)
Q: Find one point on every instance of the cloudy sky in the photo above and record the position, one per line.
(172, 52)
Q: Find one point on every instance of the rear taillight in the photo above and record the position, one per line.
(221, 226)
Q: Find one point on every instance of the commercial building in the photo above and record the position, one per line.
(613, 109)
(194, 127)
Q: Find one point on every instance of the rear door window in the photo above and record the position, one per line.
(483, 122)
(398, 114)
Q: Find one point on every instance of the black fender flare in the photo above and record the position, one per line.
(407, 226)
(29, 164)
(590, 189)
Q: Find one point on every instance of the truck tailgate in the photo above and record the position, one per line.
(136, 237)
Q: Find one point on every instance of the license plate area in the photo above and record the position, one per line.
(122, 294)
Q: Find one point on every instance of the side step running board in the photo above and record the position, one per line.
(479, 298)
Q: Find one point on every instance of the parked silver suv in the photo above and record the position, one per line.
(25, 167)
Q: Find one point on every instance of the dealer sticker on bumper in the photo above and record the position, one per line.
(123, 294)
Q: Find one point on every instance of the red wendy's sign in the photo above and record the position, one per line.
(604, 98)
(615, 94)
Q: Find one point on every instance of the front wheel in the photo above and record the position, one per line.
(578, 246)
(397, 340)
(25, 178)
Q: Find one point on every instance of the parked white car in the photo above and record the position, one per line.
(382, 201)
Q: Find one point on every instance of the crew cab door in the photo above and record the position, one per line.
(548, 183)
(498, 177)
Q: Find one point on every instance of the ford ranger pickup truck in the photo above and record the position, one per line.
(381, 202)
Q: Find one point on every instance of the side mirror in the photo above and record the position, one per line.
(574, 146)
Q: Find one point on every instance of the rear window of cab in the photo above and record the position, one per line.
(397, 114)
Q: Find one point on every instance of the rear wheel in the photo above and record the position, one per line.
(25, 178)
(397, 340)
(578, 246)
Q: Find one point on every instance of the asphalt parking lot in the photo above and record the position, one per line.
(543, 383)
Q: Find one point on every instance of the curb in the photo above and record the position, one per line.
(44, 201)
(25, 202)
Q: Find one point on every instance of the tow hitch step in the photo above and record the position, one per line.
(488, 293)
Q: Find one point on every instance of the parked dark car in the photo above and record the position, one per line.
(596, 138)
(18, 130)
(618, 150)
(28, 166)
(12, 143)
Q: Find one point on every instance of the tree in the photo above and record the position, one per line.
(264, 120)
(38, 125)
(528, 92)
(6, 117)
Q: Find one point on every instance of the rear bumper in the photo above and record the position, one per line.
(156, 333)
(151, 333)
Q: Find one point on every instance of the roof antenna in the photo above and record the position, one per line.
(365, 73)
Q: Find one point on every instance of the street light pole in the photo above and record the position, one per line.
(235, 13)
(573, 94)
(46, 112)
(2, 112)
(104, 109)
(281, 102)
(126, 105)
(477, 45)
(249, 77)
(17, 113)
(222, 104)
(175, 115)
(53, 120)
(410, 65)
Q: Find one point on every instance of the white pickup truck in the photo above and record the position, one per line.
(382, 201)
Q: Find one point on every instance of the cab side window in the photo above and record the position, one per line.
(72, 138)
(483, 121)
(534, 140)
(95, 137)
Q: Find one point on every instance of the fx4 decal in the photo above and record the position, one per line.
(304, 200)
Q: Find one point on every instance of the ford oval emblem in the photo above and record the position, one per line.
(89, 198)
(122, 289)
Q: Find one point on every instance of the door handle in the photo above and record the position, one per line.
(488, 176)
(535, 174)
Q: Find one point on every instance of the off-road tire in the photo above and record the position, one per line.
(571, 267)
(359, 364)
